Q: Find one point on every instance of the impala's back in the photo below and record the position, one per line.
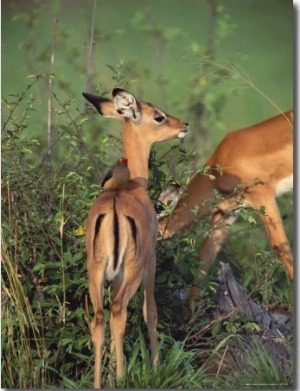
(263, 151)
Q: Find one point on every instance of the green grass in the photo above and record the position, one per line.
(176, 368)
(261, 372)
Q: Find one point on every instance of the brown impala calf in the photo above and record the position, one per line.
(258, 160)
(121, 229)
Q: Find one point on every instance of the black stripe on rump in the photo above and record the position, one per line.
(97, 228)
(117, 237)
(133, 229)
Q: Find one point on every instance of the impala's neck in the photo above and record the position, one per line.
(137, 151)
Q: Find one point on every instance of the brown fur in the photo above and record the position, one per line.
(257, 158)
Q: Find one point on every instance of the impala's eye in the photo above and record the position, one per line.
(159, 118)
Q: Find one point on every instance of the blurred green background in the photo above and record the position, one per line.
(257, 37)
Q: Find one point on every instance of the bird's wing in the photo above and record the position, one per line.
(107, 177)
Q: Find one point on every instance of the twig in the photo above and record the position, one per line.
(237, 75)
(88, 68)
(36, 283)
(21, 97)
(159, 43)
(209, 51)
(89, 62)
(82, 142)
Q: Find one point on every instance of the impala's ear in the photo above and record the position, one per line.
(105, 106)
(126, 104)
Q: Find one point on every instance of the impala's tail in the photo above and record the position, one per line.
(114, 236)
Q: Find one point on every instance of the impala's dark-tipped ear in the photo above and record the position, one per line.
(104, 105)
(96, 101)
(126, 104)
(116, 91)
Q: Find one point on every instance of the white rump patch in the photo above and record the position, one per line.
(284, 186)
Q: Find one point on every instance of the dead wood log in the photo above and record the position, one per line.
(232, 301)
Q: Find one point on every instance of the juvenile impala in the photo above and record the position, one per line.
(258, 160)
(121, 228)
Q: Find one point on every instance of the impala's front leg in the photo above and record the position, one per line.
(221, 222)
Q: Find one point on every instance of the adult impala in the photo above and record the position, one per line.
(121, 228)
(256, 166)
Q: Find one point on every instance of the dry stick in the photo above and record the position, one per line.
(222, 360)
(49, 130)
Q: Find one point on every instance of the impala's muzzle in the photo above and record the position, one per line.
(183, 132)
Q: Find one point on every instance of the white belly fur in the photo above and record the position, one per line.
(284, 186)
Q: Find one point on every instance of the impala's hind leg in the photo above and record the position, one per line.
(115, 286)
(96, 288)
(150, 310)
(130, 284)
(274, 227)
